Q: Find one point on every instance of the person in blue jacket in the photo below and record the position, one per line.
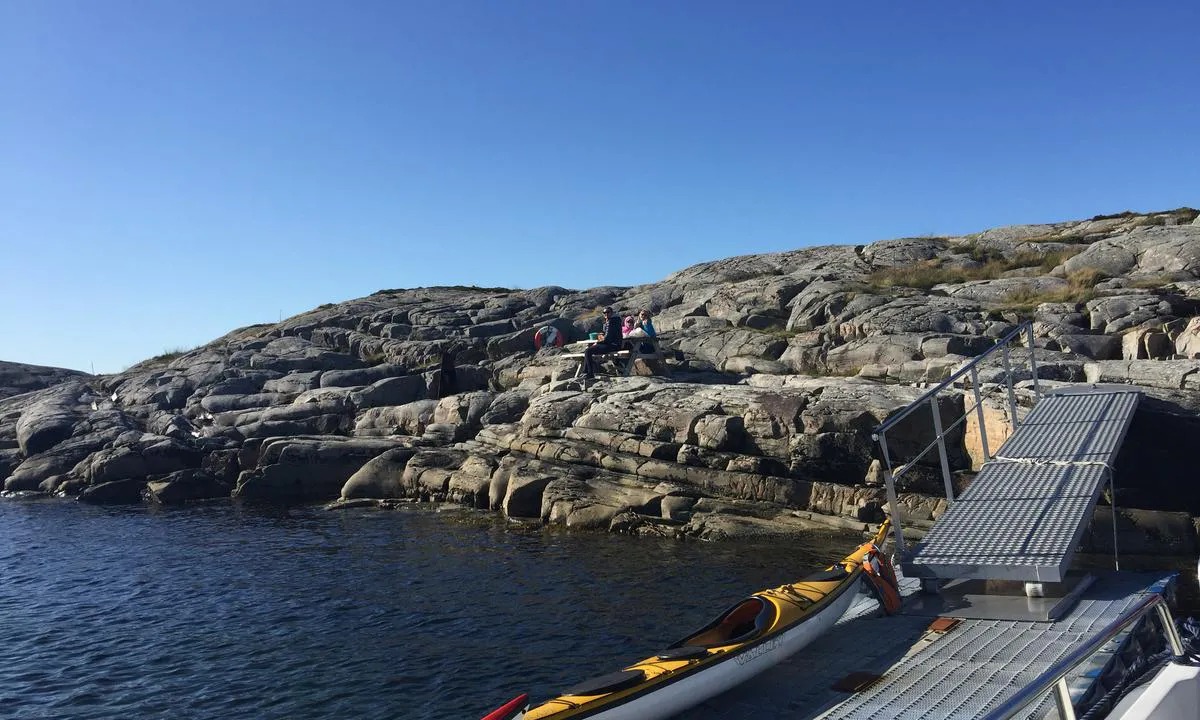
(609, 341)
(644, 327)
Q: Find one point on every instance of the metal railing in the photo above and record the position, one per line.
(1055, 678)
(930, 399)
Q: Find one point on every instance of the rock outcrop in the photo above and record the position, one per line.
(778, 368)
(19, 378)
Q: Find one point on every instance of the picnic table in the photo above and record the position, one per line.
(633, 349)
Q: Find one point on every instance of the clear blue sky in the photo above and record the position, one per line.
(172, 170)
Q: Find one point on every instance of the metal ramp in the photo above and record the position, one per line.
(1025, 512)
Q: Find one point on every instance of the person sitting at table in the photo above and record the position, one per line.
(609, 341)
(643, 327)
(629, 325)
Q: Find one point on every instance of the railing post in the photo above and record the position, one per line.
(1012, 398)
(987, 455)
(1112, 495)
(1062, 697)
(941, 441)
(1037, 393)
(893, 501)
(1168, 624)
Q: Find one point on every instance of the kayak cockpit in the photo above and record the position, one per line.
(740, 623)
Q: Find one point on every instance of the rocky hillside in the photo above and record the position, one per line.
(18, 378)
(760, 419)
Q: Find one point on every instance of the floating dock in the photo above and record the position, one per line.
(994, 623)
(964, 671)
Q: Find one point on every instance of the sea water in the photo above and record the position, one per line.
(227, 611)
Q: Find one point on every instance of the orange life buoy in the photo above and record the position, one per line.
(547, 336)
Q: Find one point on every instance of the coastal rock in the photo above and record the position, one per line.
(380, 477)
(427, 473)
(294, 383)
(49, 420)
(1187, 342)
(19, 378)
(185, 486)
(1171, 375)
(1146, 251)
(471, 483)
(724, 426)
(362, 376)
(307, 469)
(227, 403)
(150, 455)
(57, 462)
(116, 492)
(390, 391)
(408, 419)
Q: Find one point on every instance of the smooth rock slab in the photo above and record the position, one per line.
(1166, 374)
(185, 486)
(381, 477)
(307, 469)
(117, 492)
(49, 420)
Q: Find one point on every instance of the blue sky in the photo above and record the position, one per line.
(172, 170)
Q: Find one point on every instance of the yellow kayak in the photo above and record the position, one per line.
(758, 632)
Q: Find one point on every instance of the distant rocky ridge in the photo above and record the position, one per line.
(18, 378)
(759, 421)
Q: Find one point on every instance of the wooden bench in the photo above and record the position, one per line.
(623, 359)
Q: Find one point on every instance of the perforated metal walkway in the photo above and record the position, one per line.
(963, 673)
(1025, 512)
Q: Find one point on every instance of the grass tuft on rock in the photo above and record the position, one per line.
(925, 275)
(1081, 287)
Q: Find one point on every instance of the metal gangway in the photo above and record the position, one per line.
(1023, 515)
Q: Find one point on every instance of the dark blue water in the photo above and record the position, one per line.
(230, 612)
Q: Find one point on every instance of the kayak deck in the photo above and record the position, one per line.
(962, 673)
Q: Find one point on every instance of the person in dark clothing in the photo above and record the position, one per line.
(447, 379)
(610, 341)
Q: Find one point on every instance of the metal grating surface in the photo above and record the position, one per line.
(980, 665)
(1022, 520)
(961, 674)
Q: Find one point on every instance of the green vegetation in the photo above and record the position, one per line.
(1156, 281)
(1066, 239)
(1184, 214)
(162, 358)
(1116, 216)
(465, 288)
(1081, 287)
(169, 355)
(925, 275)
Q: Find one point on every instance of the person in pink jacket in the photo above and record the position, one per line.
(630, 324)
